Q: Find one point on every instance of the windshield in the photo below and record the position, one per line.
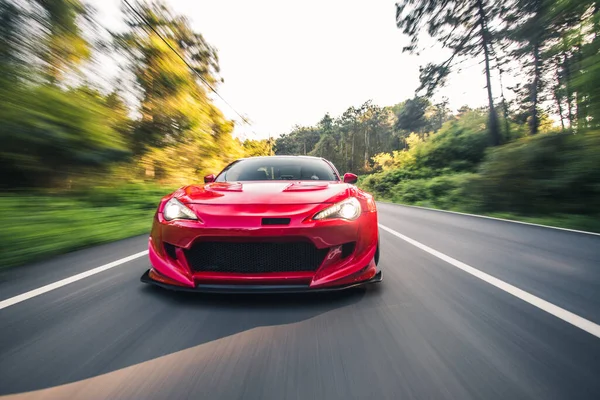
(278, 168)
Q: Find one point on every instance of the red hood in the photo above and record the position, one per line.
(274, 192)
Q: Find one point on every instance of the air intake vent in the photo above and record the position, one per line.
(170, 250)
(276, 221)
(347, 249)
(254, 257)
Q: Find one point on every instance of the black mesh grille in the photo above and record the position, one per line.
(256, 257)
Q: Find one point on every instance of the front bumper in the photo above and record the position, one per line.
(246, 289)
(336, 270)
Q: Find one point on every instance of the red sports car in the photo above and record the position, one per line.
(266, 224)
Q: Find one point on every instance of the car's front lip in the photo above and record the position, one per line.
(249, 288)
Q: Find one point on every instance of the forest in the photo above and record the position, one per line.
(98, 157)
(531, 154)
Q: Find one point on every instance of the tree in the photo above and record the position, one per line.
(253, 148)
(119, 119)
(11, 42)
(64, 47)
(348, 141)
(531, 34)
(465, 27)
(300, 141)
(55, 136)
(582, 51)
(437, 115)
(173, 101)
(180, 133)
(411, 117)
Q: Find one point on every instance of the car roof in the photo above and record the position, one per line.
(283, 156)
(293, 156)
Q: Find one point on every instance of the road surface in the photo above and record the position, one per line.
(458, 316)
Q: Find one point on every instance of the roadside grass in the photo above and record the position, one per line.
(36, 226)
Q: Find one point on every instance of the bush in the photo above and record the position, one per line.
(446, 191)
(553, 173)
(381, 184)
(459, 146)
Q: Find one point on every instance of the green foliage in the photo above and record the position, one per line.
(253, 148)
(419, 116)
(411, 117)
(36, 226)
(547, 178)
(543, 174)
(459, 146)
(64, 46)
(174, 104)
(56, 135)
(181, 135)
(381, 184)
(300, 141)
(351, 140)
(446, 191)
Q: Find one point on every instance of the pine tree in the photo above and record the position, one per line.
(464, 27)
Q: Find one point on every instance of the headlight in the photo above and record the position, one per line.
(174, 209)
(347, 209)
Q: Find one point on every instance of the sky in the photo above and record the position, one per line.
(288, 63)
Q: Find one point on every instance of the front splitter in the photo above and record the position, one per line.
(247, 289)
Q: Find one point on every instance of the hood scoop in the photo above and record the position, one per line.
(225, 187)
(305, 186)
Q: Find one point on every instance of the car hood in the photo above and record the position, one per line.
(274, 192)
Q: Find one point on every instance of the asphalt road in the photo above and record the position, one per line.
(429, 331)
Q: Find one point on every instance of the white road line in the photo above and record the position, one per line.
(494, 218)
(550, 308)
(66, 281)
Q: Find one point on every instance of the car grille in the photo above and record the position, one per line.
(254, 258)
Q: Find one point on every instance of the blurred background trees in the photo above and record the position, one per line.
(56, 127)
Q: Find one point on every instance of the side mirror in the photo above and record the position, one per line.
(350, 178)
(209, 178)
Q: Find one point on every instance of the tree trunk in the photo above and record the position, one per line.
(366, 147)
(504, 105)
(559, 106)
(345, 152)
(581, 108)
(493, 125)
(352, 155)
(534, 122)
(567, 71)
